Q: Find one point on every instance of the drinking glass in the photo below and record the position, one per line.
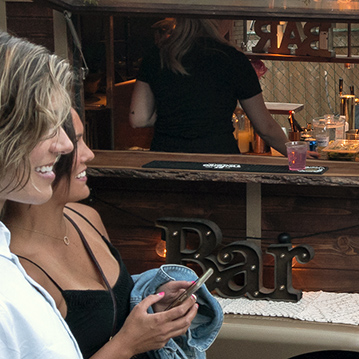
(297, 155)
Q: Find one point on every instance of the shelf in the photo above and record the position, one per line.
(301, 10)
(278, 57)
(96, 102)
(283, 108)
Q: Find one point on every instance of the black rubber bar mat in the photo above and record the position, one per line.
(236, 167)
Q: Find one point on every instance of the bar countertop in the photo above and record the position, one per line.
(128, 164)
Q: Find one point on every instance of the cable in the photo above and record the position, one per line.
(326, 232)
(94, 197)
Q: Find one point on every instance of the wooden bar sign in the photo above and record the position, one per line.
(294, 38)
(238, 260)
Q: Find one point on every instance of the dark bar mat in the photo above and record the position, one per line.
(236, 167)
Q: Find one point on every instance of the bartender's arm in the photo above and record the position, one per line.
(264, 124)
(266, 127)
(143, 109)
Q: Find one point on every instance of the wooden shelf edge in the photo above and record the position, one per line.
(279, 57)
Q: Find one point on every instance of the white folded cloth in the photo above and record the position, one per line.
(318, 306)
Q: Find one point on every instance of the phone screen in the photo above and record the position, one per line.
(191, 289)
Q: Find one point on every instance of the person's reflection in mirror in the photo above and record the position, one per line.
(188, 87)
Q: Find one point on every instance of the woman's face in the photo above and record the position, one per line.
(42, 159)
(77, 189)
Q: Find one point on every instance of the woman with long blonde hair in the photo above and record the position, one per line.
(188, 87)
(34, 103)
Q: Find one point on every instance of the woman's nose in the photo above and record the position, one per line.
(90, 155)
(84, 153)
(62, 143)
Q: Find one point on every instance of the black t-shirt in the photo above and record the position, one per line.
(194, 112)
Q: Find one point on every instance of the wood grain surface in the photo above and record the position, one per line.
(324, 215)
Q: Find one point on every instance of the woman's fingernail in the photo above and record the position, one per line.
(161, 294)
(194, 297)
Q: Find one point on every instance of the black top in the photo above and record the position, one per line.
(194, 112)
(90, 313)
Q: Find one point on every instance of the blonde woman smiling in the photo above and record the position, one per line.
(34, 102)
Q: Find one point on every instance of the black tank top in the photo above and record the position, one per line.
(90, 313)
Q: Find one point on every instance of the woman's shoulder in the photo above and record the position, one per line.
(233, 50)
(86, 211)
(226, 48)
(149, 64)
(89, 213)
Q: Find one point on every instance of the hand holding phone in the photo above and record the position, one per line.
(191, 289)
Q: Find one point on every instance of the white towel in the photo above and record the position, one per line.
(319, 306)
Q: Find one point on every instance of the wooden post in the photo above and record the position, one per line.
(3, 24)
(110, 71)
(254, 212)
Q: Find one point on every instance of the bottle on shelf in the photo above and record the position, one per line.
(295, 128)
(341, 110)
(321, 134)
(243, 131)
(340, 87)
(347, 105)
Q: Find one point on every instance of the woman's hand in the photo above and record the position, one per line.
(143, 332)
(172, 290)
(313, 155)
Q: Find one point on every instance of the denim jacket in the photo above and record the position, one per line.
(205, 326)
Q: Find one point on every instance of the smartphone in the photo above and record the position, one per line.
(191, 289)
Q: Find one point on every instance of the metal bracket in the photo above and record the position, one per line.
(76, 40)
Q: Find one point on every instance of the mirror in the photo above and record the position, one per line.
(309, 80)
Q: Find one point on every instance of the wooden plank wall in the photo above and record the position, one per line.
(327, 211)
(32, 21)
(130, 207)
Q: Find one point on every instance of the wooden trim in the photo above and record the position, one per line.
(3, 24)
(254, 212)
(213, 8)
(60, 37)
(110, 71)
(295, 58)
(128, 164)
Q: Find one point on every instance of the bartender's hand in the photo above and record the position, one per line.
(313, 155)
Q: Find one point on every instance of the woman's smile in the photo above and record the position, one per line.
(82, 176)
(46, 171)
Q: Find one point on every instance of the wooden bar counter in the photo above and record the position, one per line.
(129, 164)
(319, 210)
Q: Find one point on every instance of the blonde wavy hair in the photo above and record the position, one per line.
(35, 98)
(182, 33)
